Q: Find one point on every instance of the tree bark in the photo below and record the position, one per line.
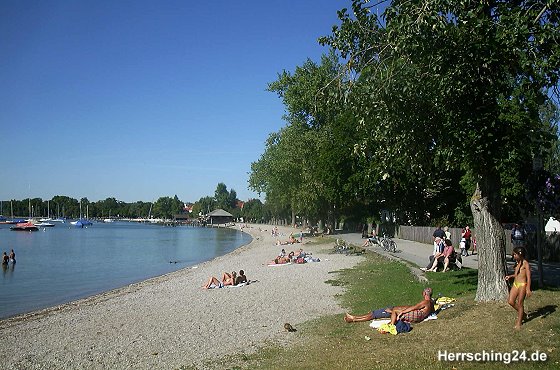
(491, 245)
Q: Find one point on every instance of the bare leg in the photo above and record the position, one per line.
(434, 265)
(513, 297)
(445, 264)
(358, 318)
(520, 308)
(211, 281)
(394, 315)
(514, 294)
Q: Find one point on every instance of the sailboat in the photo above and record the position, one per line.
(81, 222)
(58, 218)
(109, 219)
(48, 218)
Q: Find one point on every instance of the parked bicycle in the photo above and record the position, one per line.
(388, 244)
(340, 246)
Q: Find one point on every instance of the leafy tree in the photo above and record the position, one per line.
(224, 199)
(167, 207)
(295, 169)
(453, 85)
(204, 206)
(253, 211)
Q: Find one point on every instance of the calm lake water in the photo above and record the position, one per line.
(63, 263)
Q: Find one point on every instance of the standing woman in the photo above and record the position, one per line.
(466, 234)
(521, 284)
(13, 257)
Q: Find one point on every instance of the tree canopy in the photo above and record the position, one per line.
(423, 110)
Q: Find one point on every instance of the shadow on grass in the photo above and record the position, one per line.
(458, 282)
(542, 312)
(535, 286)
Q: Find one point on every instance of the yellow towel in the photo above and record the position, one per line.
(387, 328)
(444, 300)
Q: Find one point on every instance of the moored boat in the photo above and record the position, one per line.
(81, 223)
(24, 226)
(44, 224)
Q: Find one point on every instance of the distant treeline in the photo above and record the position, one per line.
(63, 206)
(164, 207)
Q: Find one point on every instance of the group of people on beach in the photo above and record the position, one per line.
(228, 279)
(291, 240)
(292, 257)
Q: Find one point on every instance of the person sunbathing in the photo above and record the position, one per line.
(280, 260)
(227, 279)
(413, 314)
(241, 278)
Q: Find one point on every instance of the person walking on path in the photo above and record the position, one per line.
(518, 234)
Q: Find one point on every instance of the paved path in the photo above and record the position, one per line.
(419, 253)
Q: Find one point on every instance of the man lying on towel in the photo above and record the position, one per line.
(416, 313)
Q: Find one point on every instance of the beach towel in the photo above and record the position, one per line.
(443, 303)
(377, 323)
(279, 264)
(238, 285)
(431, 316)
(387, 328)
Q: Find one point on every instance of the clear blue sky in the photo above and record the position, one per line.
(142, 99)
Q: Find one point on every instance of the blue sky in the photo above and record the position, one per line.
(142, 99)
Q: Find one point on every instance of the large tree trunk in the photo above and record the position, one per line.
(490, 243)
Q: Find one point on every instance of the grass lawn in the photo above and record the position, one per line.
(330, 343)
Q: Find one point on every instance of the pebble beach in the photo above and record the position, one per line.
(170, 322)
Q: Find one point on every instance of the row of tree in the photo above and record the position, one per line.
(63, 206)
(435, 110)
(163, 207)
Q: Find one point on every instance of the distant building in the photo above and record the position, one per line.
(187, 207)
(219, 216)
(240, 204)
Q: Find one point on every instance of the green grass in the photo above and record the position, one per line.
(330, 343)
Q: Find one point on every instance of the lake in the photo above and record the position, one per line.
(60, 264)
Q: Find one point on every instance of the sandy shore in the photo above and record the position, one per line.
(170, 321)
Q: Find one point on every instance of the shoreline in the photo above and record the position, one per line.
(169, 321)
(104, 295)
(60, 304)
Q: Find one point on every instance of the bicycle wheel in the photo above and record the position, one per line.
(392, 246)
(385, 245)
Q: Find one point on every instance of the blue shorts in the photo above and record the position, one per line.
(381, 313)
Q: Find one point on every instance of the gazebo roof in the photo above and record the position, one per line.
(219, 213)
